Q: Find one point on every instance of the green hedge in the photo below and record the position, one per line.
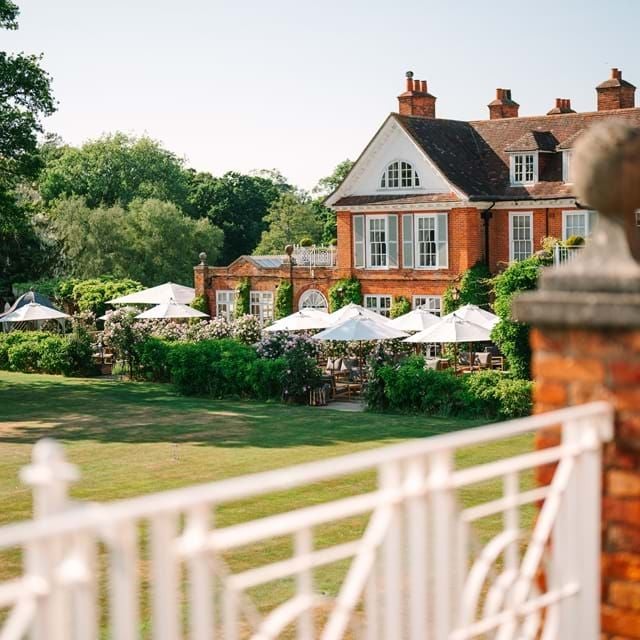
(410, 388)
(42, 352)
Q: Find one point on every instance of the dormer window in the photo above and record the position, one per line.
(399, 175)
(524, 168)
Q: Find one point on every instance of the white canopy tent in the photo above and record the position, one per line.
(416, 320)
(472, 313)
(171, 309)
(353, 310)
(303, 320)
(34, 312)
(163, 293)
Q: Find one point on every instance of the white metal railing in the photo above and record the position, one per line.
(314, 256)
(562, 254)
(416, 572)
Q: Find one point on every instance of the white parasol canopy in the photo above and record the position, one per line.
(452, 329)
(358, 328)
(171, 309)
(475, 314)
(302, 320)
(416, 320)
(353, 310)
(34, 312)
(163, 293)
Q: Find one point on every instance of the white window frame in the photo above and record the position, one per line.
(512, 215)
(384, 179)
(262, 307)
(433, 304)
(512, 168)
(416, 242)
(377, 308)
(308, 293)
(367, 239)
(566, 167)
(587, 222)
(222, 298)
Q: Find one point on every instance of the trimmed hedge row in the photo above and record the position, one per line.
(42, 352)
(410, 388)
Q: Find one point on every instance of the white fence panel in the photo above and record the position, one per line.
(418, 571)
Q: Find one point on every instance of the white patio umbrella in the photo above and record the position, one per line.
(171, 309)
(416, 320)
(353, 310)
(34, 312)
(302, 320)
(475, 314)
(452, 329)
(167, 292)
(360, 328)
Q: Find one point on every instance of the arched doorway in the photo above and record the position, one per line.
(313, 299)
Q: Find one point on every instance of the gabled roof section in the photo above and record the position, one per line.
(570, 142)
(454, 148)
(534, 141)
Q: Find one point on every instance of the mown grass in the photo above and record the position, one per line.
(133, 438)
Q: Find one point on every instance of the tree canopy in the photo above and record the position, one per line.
(115, 169)
(25, 98)
(151, 242)
(291, 218)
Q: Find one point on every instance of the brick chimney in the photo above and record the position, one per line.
(616, 93)
(416, 100)
(563, 105)
(503, 106)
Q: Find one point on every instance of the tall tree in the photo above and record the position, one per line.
(237, 204)
(152, 241)
(330, 183)
(25, 98)
(291, 218)
(115, 169)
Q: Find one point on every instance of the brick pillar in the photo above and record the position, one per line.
(200, 275)
(585, 338)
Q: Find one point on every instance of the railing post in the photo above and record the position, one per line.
(49, 475)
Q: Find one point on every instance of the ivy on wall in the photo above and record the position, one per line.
(243, 298)
(343, 292)
(399, 307)
(284, 300)
(474, 288)
(199, 303)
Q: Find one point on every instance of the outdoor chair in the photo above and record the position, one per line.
(432, 363)
(483, 360)
(334, 365)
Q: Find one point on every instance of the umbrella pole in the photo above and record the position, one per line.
(455, 357)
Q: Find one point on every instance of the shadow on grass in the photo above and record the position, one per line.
(35, 406)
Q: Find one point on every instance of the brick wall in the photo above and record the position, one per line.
(575, 366)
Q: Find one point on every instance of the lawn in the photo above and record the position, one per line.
(134, 438)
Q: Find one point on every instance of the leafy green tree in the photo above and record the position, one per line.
(512, 337)
(325, 186)
(25, 98)
(152, 242)
(115, 170)
(237, 204)
(291, 218)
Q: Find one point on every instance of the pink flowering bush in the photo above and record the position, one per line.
(247, 329)
(275, 345)
(125, 335)
(215, 329)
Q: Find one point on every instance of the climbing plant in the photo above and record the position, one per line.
(343, 292)
(243, 298)
(284, 300)
(399, 307)
(474, 288)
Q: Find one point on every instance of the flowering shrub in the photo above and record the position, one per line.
(214, 329)
(276, 345)
(125, 335)
(166, 329)
(300, 376)
(247, 329)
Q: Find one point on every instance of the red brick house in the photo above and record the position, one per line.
(429, 197)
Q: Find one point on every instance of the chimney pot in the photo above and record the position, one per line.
(409, 84)
(423, 86)
(416, 101)
(616, 73)
(559, 103)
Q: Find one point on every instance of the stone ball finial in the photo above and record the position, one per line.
(289, 250)
(606, 169)
(203, 258)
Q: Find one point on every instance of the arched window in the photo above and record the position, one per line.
(399, 175)
(313, 299)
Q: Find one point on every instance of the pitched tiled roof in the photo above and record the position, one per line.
(569, 142)
(534, 141)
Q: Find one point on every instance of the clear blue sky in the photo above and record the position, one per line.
(300, 85)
